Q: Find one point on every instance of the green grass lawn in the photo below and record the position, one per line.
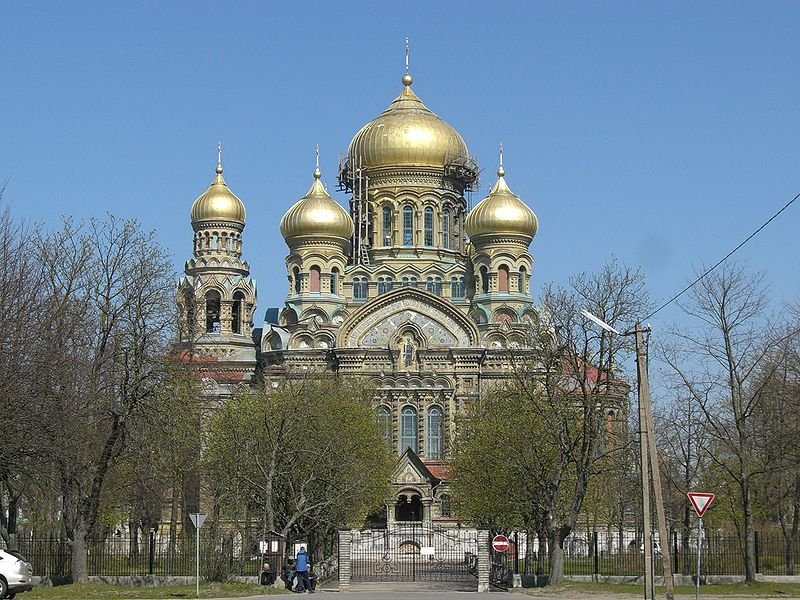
(755, 590)
(90, 591)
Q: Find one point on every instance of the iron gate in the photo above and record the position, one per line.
(411, 552)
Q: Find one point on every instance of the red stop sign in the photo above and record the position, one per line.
(500, 543)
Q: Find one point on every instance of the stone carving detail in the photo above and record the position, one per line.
(377, 329)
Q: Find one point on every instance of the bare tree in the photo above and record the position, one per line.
(573, 404)
(777, 423)
(719, 362)
(22, 453)
(108, 289)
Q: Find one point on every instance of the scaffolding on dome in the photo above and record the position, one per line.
(353, 180)
(465, 171)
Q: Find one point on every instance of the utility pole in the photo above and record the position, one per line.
(644, 463)
(647, 427)
(648, 464)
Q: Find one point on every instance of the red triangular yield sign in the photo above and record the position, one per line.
(700, 502)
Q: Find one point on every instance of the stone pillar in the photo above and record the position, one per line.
(427, 512)
(345, 546)
(484, 560)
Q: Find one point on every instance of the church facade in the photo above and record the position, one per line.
(422, 296)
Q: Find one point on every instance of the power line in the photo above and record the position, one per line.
(722, 260)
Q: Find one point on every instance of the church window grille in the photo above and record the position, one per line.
(446, 228)
(360, 288)
(434, 449)
(484, 280)
(523, 281)
(212, 311)
(314, 279)
(408, 226)
(409, 281)
(429, 226)
(408, 429)
(297, 281)
(237, 312)
(457, 287)
(384, 419)
(502, 278)
(434, 285)
(335, 281)
(384, 285)
(387, 226)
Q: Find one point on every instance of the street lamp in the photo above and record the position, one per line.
(648, 462)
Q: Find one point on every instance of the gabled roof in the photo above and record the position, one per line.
(410, 469)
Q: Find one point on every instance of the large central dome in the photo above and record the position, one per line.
(407, 134)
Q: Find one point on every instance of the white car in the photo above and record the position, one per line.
(16, 574)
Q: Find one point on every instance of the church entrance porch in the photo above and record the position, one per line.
(411, 552)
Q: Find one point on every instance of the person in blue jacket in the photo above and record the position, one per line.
(301, 567)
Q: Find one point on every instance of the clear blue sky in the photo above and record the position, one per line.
(661, 132)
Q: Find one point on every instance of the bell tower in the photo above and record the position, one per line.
(216, 296)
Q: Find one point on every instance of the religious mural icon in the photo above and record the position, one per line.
(408, 353)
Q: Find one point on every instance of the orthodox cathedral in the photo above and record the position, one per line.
(410, 288)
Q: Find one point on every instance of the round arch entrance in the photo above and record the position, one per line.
(408, 507)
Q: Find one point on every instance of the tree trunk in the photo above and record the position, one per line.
(749, 533)
(173, 529)
(556, 553)
(541, 538)
(78, 545)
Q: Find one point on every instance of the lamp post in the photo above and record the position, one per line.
(648, 460)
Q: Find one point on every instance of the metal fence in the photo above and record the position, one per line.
(592, 553)
(152, 554)
(609, 554)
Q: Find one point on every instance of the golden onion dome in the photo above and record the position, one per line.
(317, 214)
(218, 203)
(501, 212)
(407, 133)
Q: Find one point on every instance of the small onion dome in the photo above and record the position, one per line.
(218, 203)
(317, 214)
(407, 133)
(501, 212)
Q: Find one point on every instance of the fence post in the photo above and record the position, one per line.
(152, 557)
(596, 556)
(758, 552)
(675, 552)
(484, 560)
(345, 544)
(516, 553)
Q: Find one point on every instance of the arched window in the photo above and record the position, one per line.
(434, 285)
(408, 429)
(314, 279)
(384, 420)
(429, 226)
(408, 226)
(387, 226)
(360, 288)
(446, 228)
(212, 311)
(334, 281)
(298, 283)
(484, 280)
(523, 281)
(502, 278)
(457, 288)
(188, 306)
(434, 432)
(237, 312)
(409, 280)
(445, 506)
(384, 284)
